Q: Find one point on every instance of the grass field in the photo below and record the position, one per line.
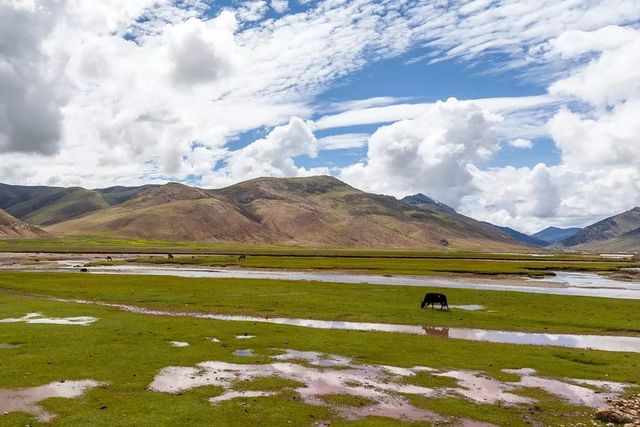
(127, 350)
(349, 302)
(387, 265)
(104, 244)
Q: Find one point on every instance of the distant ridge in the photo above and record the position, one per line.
(617, 233)
(317, 211)
(524, 238)
(552, 235)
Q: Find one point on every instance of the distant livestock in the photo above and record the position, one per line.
(84, 270)
(109, 258)
(242, 257)
(433, 298)
(169, 256)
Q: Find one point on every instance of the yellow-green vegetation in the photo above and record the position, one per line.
(334, 301)
(388, 265)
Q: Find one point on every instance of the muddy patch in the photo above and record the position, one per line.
(37, 318)
(28, 399)
(386, 386)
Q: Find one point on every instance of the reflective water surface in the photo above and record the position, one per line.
(564, 283)
(27, 399)
(595, 342)
(382, 387)
(37, 318)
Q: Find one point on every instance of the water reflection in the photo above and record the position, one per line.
(564, 283)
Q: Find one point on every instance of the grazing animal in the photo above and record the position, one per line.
(169, 256)
(109, 258)
(84, 270)
(433, 298)
(242, 257)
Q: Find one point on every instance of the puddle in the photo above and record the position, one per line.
(37, 318)
(245, 337)
(484, 389)
(593, 342)
(243, 353)
(468, 307)
(179, 344)
(27, 399)
(385, 386)
(586, 281)
(572, 393)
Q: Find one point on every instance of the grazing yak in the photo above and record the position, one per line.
(433, 298)
(84, 270)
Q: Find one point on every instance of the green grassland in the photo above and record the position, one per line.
(106, 244)
(127, 350)
(387, 265)
(332, 301)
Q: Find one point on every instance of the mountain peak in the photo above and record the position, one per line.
(422, 200)
(169, 192)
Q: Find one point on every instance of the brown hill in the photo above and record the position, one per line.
(315, 211)
(13, 227)
(617, 233)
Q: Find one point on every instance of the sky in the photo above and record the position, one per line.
(524, 114)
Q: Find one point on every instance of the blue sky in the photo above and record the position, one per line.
(514, 112)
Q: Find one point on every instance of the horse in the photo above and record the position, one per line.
(433, 298)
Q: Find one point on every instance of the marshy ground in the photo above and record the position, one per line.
(178, 366)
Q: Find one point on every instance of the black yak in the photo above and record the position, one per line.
(433, 298)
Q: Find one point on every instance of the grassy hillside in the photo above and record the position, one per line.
(49, 205)
(316, 211)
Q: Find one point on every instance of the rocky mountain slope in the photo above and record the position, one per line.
(617, 233)
(13, 227)
(314, 211)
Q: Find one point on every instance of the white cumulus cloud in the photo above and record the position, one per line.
(431, 153)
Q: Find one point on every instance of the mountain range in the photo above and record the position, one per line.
(312, 211)
(553, 235)
(617, 233)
